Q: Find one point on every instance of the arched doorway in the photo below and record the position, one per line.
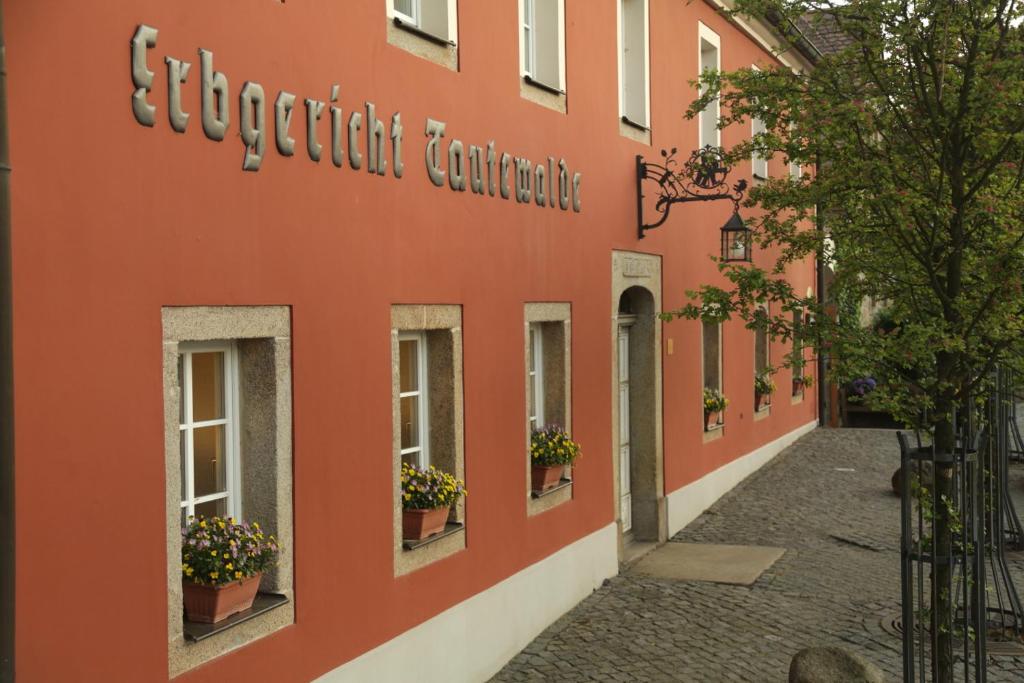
(636, 421)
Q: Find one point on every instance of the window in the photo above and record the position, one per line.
(762, 348)
(535, 365)
(426, 28)
(228, 451)
(408, 11)
(795, 170)
(426, 385)
(762, 357)
(413, 398)
(209, 434)
(548, 387)
(542, 43)
(712, 348)
(709, 61)
(634, 62)
(760, 163)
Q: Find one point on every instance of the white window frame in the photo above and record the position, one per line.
(537, 373)
(422, 414)
(706, 36)
(528, 19)
(232, 442)
(419, 20)
(413, 19)
(620, 33)
(528, 37)
(758, 163)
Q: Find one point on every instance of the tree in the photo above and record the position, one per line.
(915, 129)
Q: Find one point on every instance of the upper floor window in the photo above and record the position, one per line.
(758, 160)
(436, 18)
(709, 60)
(208, 427)
(542, 43)
(634, 62)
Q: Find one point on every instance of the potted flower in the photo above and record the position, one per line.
(801, 382)
(714, 405)
(222, 561)
(427, 496)
(764, 387)
(861, 387)
(551, 450)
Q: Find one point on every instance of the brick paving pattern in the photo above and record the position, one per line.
(838, 580)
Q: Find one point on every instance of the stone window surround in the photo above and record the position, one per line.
(263, 337)
(443, 325)
(556, 328)
(442, 55)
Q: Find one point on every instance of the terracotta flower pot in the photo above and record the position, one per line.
(210, 604)
(419, 524)
(762, 401)
(546, 477)
(710, 420)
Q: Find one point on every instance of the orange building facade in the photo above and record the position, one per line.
(396, 230)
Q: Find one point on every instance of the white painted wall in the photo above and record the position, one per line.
(474, 639)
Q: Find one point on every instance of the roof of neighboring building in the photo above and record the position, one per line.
(823, 32)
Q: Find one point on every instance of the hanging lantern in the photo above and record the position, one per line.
(736, 240)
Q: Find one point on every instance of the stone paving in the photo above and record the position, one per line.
(837, 582)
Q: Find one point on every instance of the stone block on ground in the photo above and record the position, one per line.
(832, 665)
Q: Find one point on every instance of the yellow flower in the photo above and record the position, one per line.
(188, 572)
(408, 496)
(226, 556)
(213, 553)
(229, 566)
(202, 525)
(238, 575)
(214, 575)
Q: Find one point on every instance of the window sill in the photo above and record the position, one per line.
(763, 413)
(564, 483)
(264, 602)
(715, 433)
(449, 529)
(543, 94)
(425, 35)
(543, 86)
(633, 124)
(420, 43)
(634, 131)
(797, 398)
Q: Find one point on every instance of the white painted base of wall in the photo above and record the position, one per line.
(474, 639)
(687, 503)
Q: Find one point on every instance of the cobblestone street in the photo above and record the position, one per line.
(837, 582)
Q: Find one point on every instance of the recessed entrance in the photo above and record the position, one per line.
(636, 384)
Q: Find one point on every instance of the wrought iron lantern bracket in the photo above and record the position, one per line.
(702, 178)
